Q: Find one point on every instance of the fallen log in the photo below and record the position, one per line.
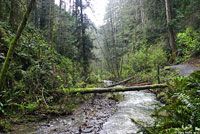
(121, 82)
(115, 89)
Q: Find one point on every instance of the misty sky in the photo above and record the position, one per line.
(98, 7)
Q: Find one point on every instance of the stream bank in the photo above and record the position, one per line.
(100, 115)
(88, 118)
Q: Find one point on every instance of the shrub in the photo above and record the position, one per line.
(188, 43)
(183, 106)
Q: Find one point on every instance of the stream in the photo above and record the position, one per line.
(102, 116)
(137, 105)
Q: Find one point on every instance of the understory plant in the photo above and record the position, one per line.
(181, 112)
(144, 63)
(188, 43)
(35, 73)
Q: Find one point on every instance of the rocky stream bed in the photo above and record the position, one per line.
(100, 115)
(87, 119)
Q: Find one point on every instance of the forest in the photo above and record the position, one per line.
(51, 53)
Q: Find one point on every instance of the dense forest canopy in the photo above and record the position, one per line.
(134, 26)
(53, 51)
(47, 47)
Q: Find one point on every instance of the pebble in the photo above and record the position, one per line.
(88, 119)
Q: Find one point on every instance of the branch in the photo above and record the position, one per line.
(122, 82)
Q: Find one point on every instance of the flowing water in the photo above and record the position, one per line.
(137, 105)
(97, 117)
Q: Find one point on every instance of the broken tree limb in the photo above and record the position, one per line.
(140, 124)
(121, 82)
(115, 89)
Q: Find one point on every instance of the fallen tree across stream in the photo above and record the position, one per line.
(115, 89)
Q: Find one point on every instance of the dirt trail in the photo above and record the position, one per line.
(185, 69)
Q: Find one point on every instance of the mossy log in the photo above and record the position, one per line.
(136, 122)
(115, 89)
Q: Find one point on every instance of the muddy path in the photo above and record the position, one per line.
(87, 119)
(185, 69)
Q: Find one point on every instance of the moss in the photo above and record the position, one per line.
(114, 96)
(4, 125)
(13, 45)
(80, 90)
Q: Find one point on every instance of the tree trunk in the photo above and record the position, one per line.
(51, 21)
(110, 65)
(83, 42)
(70, 7)
(1, 10)
(122, 82)
(170, 30)
(60, 37)
(15, 14)
(116, 89)
(13, 44)
(142, 13)
(36, 15)
(114, 57)
(104, 54)
(43, 14)
(11, 19)
(144, 127)
(51, 32)
(158, 74)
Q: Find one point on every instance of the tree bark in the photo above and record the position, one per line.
(170, 30)
(11, 19)
(110, 65)
(36, 15)
(43, 14)
(142, 13)
(15, 14)
(13, 45)
(158, 74)
(60, 37)
(115, 89)
(1, 10)
(114, 57)
(51, 22)
(83, 42)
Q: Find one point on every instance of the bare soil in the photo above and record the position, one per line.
(194, 61)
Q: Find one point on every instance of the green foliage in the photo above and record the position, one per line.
(35, 73)
(114, 96)
(144, 62)
(1, 108)
(4, 126)
(136, 25)
(183, 105)
(147, 58)
(188, 43)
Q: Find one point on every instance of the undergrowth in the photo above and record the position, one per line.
(35, 74)
(180, 114)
